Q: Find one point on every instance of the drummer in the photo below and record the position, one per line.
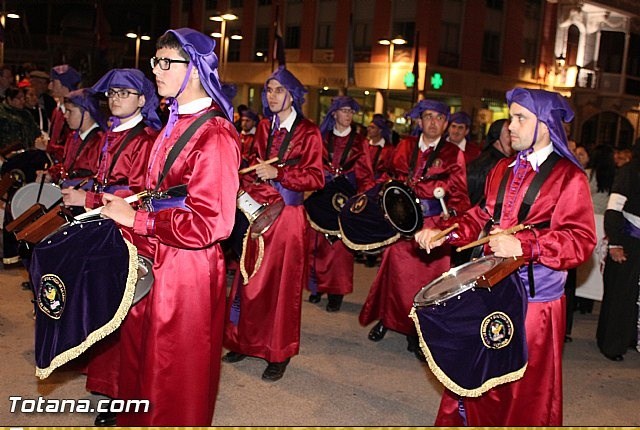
(64, 79)
(248, 122)
(379, 145)
(563, 236)
(263, 316)
(424, 163)
(344, 153)
(124, 149)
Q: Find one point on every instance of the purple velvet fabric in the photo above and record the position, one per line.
(455, 334)
(290, 197)
(551, 109)
(92, 262)
(338, 102)
(67, 75)
(133, 79)
(548, 285)
(292, 84)
(424, 105)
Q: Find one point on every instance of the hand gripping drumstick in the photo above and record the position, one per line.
(255, 166)
(439, 193)
(486, 239)
(443, 233)
(131, 199)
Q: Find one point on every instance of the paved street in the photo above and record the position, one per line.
(339, 379)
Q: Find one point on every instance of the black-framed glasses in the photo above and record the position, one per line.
(122, 94)
(164, 63)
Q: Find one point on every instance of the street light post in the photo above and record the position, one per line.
(222, 19)
(3, 16)
(391, 43)
(138, 36)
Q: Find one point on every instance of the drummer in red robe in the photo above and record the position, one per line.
(458, 134)
(64, 79)
(425, 163)
(344, 153)
(171, 340)
(248, 122)
(563, 236)
(379, 145)
(263, 315)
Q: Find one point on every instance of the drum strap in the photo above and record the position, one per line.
(81, 147)
(182, 142)
(345, 153)
(529, 198)
(285, 142)
(376, 158)
(430, 160)
(135, 131)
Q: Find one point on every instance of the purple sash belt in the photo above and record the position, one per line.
(549, 283)
(290, 197)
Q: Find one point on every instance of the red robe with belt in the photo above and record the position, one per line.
(81, 156)
(271, 302)
(171, 341)
(564, 200)
(130, 169)
(58, 133)
(331, 264)
(381, 157)
(405, 267)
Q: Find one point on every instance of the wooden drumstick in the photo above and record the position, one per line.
(486, 239)
(443, 233)
(131, 199)
(255, 166)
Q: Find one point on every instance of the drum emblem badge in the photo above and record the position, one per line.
(338, 201)
(359, 204)
(496, 330)
(52, 296)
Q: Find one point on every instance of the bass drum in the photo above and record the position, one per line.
(23, 164)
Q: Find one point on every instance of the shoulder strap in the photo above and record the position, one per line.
(347, 149)
(182, 142)
(135, 131)
(82, 145)
(285, 142)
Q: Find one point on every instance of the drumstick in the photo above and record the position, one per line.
(443, 233)
(97, 211)
(486, 239)
(255, 166)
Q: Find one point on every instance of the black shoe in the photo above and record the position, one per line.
(568, 339)
(614, 357)
(413, 345)
(315, 298)
(371, 260)
(335, 302)
(275, 371)
(377, 332)
(233, 357)
(105, 419)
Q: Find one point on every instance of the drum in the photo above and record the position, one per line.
(27, 195)
(323, 206)
(145, 278)
(471, 325)
(380, 216)
(23, 164)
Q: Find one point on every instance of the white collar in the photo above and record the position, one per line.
(424, 145)
(85, 133)
(252, 131)
(379, 143)
(462, 144)
(288, 123)
(129, 124)
(538, 157)
(195, 106)
(345, 132)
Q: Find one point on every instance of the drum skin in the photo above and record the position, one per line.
(27, 196)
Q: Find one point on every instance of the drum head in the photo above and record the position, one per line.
(455, 281)
(401, 208)
(145, 278)
(27, 196)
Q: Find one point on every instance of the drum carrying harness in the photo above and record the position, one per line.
(529, 198)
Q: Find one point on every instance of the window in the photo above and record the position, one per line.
(235, 4)
(405, 29)
(491, 52)
(211, 4)
(495, 4)
(361, 36)
(611, 51)
(292, 37)
(325, 36)
(449, 44)
(264, 2)
(186, 5)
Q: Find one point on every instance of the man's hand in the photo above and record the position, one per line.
(618, 255)
(266, 171)
(504, 245)
(72, 197)
(424, 236)
(118, 210)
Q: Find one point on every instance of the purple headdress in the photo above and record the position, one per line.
(338, 102)
(135, 79)
(67, 75)
(433, 105)
(380, 121)
(295, 88)
(85, 100)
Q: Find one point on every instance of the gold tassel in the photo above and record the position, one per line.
(243, 270)
(317, 228)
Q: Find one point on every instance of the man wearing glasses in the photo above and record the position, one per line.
(171, 340)
(424, 163)
(344, 155)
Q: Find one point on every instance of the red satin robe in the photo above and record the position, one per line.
(130, 168)
(58, 133)
(171, 341)
(405, 268)
(332, 263)
(384, 162)
(246, 142)
(564, 200)
(85, 160)
(271, 302)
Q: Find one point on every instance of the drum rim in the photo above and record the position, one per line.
(409, 193)
(419, 302)
(25, 187)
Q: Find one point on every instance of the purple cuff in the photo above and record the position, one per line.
(144, 223)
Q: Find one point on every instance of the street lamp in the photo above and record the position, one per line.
(222, 19)
(391, 43)
(138, 37)
(3, 17)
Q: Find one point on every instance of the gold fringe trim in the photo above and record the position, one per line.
(109, 327)
(243, 270)
(368, 247)
(319, 229)
(448, 383)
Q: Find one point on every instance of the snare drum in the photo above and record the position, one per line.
(27, 196)
(380, 216)
(471, 324)
(323, 206)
